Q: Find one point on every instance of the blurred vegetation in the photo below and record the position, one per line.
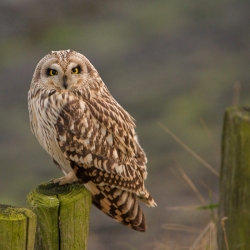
(171, 61)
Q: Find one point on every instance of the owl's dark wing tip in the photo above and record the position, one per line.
(142, 227)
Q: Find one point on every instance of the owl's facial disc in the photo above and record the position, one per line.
(64, 79)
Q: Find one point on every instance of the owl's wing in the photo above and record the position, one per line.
(98, 138)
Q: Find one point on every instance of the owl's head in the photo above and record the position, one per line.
(64, 70)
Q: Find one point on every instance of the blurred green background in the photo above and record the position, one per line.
(177, 62)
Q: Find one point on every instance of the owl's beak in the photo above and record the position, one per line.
(65, 84)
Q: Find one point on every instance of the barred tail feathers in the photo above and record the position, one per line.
(119, 204)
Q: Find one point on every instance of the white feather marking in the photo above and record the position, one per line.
(123, 198)
(89, 157)
(109, 139)
(82, 105)
(89, 133)
(129, 204)
(119, 169)
(108, 153)
(76, 159)
(103, 130)
(72, 127)
(134, 213)
(105, 164)
(85, 122)
(100, 164)
(81, 160)
(97, 125)
(92, 188)
(86, 142)
(115, 155)
(62, 138)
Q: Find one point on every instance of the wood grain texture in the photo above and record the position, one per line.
(62, 216)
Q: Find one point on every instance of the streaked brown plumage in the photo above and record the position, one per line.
(89, 135)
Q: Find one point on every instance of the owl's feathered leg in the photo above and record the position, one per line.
(121, 205)
(67, 179)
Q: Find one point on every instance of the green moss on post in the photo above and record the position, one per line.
(62, 216)
(235, 180)
(17, 228)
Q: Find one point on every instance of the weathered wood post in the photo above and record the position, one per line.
(235, 181)
(17, 228)
(62, 216)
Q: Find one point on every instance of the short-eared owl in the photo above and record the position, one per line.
(89, 135)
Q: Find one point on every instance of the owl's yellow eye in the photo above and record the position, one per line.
(52, 72)
(75, 70)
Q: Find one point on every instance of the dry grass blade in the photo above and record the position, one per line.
(189, 150)
(209, 135)
(224, 231)
(193, 187)
(206, 239)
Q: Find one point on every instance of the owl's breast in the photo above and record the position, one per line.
(44, 113)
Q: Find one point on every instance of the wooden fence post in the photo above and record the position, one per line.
(235, 181)
(17, 228)
(62, 216)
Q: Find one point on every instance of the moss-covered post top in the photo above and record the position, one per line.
(17, 228)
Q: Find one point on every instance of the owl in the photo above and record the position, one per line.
(89, 136)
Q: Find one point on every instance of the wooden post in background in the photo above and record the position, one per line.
(62, 216)
(235, 181)
(17, 228)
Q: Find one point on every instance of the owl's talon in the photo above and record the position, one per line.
(67, 179)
